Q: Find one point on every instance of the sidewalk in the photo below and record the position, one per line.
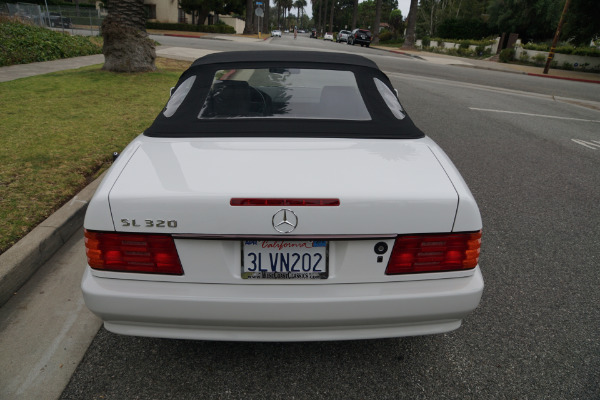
(444, 59)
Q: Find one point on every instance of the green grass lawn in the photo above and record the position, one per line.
(58, 130)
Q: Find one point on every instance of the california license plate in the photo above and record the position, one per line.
(284, 259)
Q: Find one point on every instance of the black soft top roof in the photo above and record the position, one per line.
(321, 57)
(185, 121)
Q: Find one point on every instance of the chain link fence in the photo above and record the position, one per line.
(73, 19)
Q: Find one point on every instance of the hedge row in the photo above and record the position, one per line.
(219, 28)
(578, 51)
(22, 43)
(463, 43)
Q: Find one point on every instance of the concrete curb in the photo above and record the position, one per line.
(495, 69)
(563, 77)
(23, 259)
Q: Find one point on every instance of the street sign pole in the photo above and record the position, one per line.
(259, 13)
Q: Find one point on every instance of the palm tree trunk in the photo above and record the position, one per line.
(325, 18)
(331, 16)
(266, 27)
(411, 22)
(127, 47)
(354, 15)
(320, 26)
(249, 28)
(377, 22)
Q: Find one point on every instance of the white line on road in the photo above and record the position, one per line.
(534, 115)
(590, 145)
(594, 105)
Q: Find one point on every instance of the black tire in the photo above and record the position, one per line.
(362, 45)
(368, 44)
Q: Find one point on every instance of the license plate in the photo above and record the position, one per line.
(284, 259)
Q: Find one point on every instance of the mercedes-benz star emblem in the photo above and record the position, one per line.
(285, 221)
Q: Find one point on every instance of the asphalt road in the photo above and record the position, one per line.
(535, 334)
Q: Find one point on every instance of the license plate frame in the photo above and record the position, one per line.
(268, 259)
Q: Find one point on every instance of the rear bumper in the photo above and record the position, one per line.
(282, 313)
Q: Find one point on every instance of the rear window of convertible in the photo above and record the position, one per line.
(277, 93)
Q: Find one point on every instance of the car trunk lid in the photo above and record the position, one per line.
(185, 186)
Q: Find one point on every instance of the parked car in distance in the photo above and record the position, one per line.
(313, 33)
(343, 36)
(56, 20)
(360, 36)
(328, 36)
(282, 196)
(276, 32)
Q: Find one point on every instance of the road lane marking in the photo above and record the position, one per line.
(590, 145)
(534, 115)
(594, 105)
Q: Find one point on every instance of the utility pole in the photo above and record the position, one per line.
(555, 41)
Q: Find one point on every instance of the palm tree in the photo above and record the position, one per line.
(325, 18)
(127, 47)
(411, 22)
(319, 26)
(331, 16)
(298, 6)
(289, 6)
(377, 22)
(249, 28)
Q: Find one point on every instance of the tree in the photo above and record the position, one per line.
(200, 9)
(127, 47)
(267, 8)
(324, 27)
(331, 16)
(396, 22)
(581, 22)
(411, 22)
(354, 14)
(249, 28)
(377, 23)
(531, 19)
(320, 26)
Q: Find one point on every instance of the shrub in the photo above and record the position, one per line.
(586, 51)
(539, 59)
(464, 52)
(426, 41)
(568, 66)
(524, 57)
(507, 55)
(564, 49)
(23, 43)
(385, 36)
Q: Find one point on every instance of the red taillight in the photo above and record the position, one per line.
(285, 202)
(129, 252)
(434, 253)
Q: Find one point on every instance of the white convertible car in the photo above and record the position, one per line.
(282, 196)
